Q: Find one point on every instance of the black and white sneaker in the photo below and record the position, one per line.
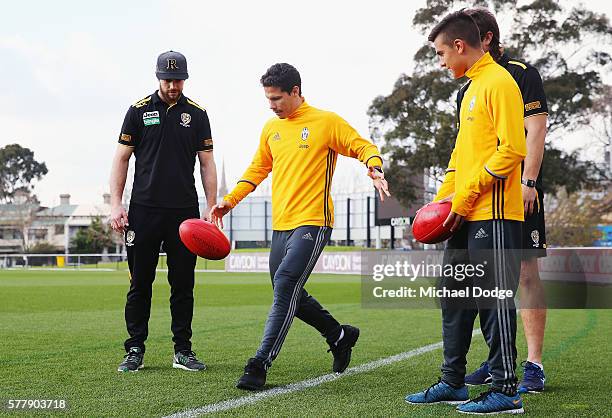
(342, 348)
(187, 360)
(133, 360)
(254, 377)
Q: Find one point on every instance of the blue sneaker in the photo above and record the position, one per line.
(440, 392)
(533, 378)
(493, 403)
(481, 376)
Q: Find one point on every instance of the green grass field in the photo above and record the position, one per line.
(62, 334)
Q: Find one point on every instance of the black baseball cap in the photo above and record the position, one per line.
(171, 65)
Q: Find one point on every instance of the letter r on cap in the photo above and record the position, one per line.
(172, 64)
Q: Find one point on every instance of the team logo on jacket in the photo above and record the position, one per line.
(129, 238)
(472, 103)
(305, 133)
(535, 237)
(185, 119)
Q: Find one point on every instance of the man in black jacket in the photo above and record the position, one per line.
(165, 131)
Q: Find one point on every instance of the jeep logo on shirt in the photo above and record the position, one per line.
(150, 118)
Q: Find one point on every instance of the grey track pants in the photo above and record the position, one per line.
(495, 245)
(293, 255)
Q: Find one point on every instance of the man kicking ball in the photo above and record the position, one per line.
(300, 146)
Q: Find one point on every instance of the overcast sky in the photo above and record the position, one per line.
(71, 69)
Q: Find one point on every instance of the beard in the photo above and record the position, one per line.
(170, 96)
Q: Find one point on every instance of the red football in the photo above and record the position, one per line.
(427, 225)
(203, 238)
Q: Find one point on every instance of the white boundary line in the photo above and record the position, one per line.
(305, 384)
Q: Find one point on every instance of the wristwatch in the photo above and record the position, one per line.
(528, 183)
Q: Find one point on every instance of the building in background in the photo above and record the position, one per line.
(22, 226)
(15, 219)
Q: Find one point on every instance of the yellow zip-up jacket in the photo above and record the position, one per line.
(489, 148)
(301, 151)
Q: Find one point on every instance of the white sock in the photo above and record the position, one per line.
(538, 364)
(340, 337)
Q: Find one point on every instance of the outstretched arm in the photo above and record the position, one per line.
(345, 140)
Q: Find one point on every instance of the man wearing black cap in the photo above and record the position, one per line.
(165, 131)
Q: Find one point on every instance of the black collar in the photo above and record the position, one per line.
(503, 60)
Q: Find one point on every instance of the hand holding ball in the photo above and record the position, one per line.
(428, 225)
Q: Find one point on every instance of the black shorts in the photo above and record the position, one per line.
(534, 231)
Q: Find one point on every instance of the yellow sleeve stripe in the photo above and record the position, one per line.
(195, 104)
(520, 64)
(142, 101)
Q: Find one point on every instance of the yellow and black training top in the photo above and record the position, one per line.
(489, 148)
(301, 151)
(166, 139)
(530, 83)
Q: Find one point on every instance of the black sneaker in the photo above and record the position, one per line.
(342, 349)
(480, 376)
(187, 360)
(133, 360)
(254, 377)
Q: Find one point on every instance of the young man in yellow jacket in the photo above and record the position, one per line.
(483, 181)
(300, 147)
(533, 301)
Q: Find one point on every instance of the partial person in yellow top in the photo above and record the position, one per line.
(484, 183)
(535, 108)
(300, 147)
(490, 144)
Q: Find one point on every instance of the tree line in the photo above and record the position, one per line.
(415, 123)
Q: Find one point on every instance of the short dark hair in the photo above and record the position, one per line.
(457, 25)
(486, 22)
(282, 75)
